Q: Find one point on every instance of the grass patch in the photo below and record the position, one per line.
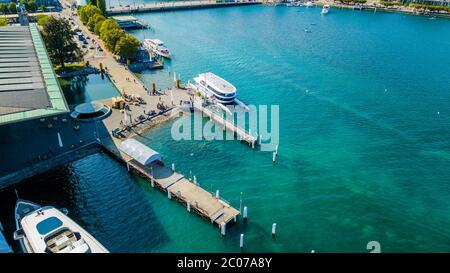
(69, 67)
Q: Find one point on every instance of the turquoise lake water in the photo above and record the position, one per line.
(364, 138)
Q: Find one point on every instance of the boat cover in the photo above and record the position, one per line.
(139, 152)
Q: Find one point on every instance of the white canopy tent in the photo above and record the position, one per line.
(139, 152)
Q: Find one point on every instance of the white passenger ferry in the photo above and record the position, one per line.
(215, 87)
(158, 47)
(48, 230)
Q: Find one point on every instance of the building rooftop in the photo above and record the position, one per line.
(28, 85)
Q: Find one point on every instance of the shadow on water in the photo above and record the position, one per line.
(105, 201)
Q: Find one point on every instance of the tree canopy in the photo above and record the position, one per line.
(94, 20)
(126, 46)
(101, 5)
(111, 37)
(59, 42)
(3, 22)
(3, 8)
(114, 38)
(87, 12)
(41, 19)
(12, 7)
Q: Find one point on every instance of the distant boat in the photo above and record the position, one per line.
(309, 4)
(294, 4)
(158, 47)
(48, 230)
(325, 9)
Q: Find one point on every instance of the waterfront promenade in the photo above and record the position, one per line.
(197, 199)
(175, 5)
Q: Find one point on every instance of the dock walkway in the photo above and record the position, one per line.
(179, 188)
(230, 126)
(175, 5)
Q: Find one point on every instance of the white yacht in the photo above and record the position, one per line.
(325, 9)
(215, 87)
(48, 230)
(157, 46)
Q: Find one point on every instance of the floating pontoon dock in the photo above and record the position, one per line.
(230, 126)
(175, 5)
(146, 163)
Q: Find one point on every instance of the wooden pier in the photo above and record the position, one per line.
(230, 126)
(175, 5)
(179, 188)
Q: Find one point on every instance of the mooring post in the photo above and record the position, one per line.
(173, 167)
(240, 204)
(189, 206)
(128, 166)
(169, 195)
(217, 194)
(195, 180)
(245, 214)
(241, 241)
(274, 229)
(152, 182)
(274, 157)
(223, 229)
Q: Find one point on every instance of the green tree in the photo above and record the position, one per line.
(12, 7)
(3, 8)
(59, 42)
(110, 37)
(87, 12)
(98, 25)
(93, 21)
(92, 2)
(3, 22)
(126, 46)
(32, 5)
(41, 19)
(101, 5)
(109, 24)
(25, 3)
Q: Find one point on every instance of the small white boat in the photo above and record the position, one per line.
(325, 9)
(309, 4)
(48, 230)
(158, 47)
(213, 86)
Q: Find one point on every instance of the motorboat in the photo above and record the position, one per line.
(158, 47)
(325, 9)
(49, 230)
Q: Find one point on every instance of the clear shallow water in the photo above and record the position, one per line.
(364, 154)
(87, 88)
